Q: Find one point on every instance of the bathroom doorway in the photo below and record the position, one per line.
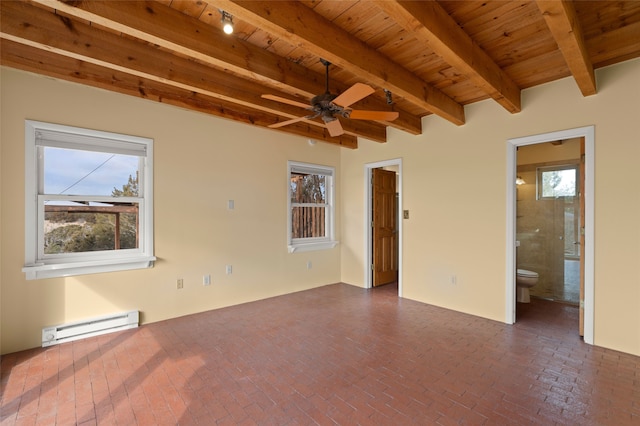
(550, 225)
(548, 217)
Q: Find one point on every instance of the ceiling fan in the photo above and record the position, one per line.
(329, 106)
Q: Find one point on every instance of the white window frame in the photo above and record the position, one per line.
(39, 266)
(308, 244)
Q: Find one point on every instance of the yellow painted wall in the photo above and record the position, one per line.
(201, 162)
(454, 187)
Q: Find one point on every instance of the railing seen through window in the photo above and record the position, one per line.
(76, 227)
(308, 205)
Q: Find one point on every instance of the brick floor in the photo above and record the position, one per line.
(337, 354)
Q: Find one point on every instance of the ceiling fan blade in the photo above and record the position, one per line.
(286, 101)
(353, 94)
(334, 127)
(373, 115)
(285, 123)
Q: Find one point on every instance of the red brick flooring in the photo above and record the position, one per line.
(334, 355)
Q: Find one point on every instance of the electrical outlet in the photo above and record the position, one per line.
(206, 279)
(229, 269)
(180, 283)
(309, 264)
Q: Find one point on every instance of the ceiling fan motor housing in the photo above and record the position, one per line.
(323, 105)
(323, 101)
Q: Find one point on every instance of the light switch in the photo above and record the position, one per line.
(405, 214)
(231, 204)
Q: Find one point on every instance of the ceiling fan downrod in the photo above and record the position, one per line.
(322, 103)
(326, 66)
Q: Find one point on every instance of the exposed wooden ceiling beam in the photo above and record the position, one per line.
(32, 59)
(563, 23)
(42, 29)
(300, 26)
(177, 52)
(168, 28)
(431, 25)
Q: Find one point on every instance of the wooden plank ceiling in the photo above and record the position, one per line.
(420, 57)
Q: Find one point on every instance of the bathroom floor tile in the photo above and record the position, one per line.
(337, 354)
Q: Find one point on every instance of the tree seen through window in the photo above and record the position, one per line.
(85, 227)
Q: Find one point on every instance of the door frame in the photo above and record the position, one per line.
(588, 133)
(368, 218)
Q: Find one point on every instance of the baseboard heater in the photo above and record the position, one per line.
(89, 327)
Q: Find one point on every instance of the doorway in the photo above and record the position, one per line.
(383, 230)
(584, 233)
(548, 218)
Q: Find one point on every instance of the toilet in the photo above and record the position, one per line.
(524, 281)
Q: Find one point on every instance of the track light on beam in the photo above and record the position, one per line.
(227, 22)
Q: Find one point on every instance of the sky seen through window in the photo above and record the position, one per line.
(78, 172)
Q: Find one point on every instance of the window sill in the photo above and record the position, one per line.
(57, 270)
(302, 247)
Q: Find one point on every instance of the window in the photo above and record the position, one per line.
(88, 201)
(557, 181)
(311, 210)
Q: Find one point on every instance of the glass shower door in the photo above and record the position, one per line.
(565, 264)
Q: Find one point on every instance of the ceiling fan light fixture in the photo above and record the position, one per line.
(389, 96)
(227, 22)
(327, 115)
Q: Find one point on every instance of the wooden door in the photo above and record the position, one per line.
(385, 252)
(582, 202)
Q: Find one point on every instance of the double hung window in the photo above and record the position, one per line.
(88, 201)
(311, 207)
